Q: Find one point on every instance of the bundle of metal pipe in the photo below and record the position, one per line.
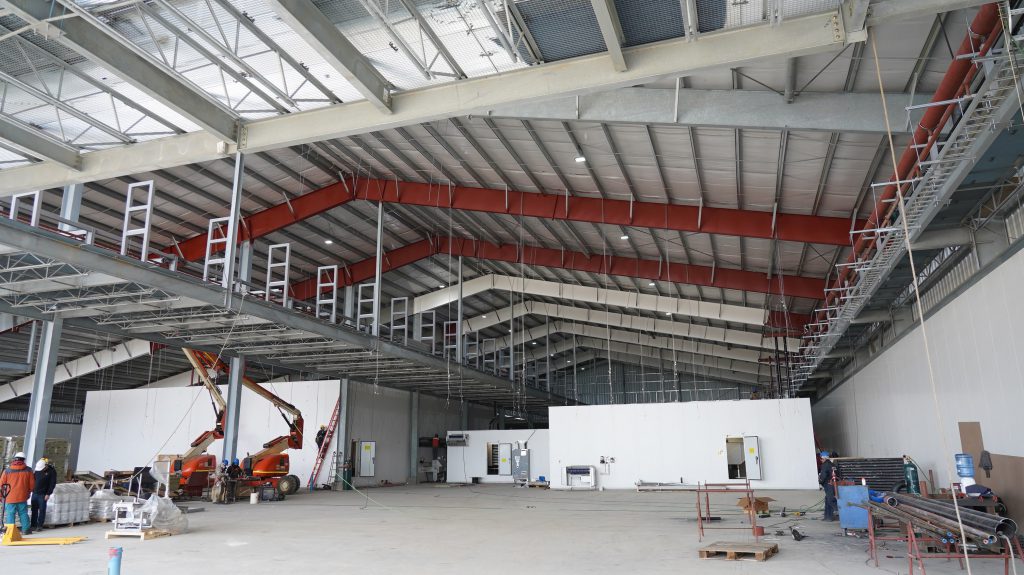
(941, 533)
(984, 527)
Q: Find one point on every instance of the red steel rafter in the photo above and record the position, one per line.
(797, 286)
(691, 219)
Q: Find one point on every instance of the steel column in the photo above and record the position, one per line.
(42, 390)
(244, 263)
(70, 205)
(231, 417)
(414, 437)
(378, 269)
(341, 432)
(458, 326)
(232, 236)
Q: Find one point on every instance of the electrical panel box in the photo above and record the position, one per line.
(521, 466)
(367, 458)
(580, 477)
(752, 456)
(504, 459)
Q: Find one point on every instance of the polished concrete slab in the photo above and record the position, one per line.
(430, 529)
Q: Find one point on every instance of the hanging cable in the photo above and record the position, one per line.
(917, 299)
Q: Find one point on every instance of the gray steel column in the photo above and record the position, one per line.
(547, 354)
(348, 304)
(414, 437)
(236, 371)
(500, 414)
(70, 205)
(458, 324)
(464, 416)
(42, 391)
(232, 236)
(377, 269)
(244, 264)
(341, 445)
(511, 335)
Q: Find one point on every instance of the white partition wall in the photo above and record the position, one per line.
(684, 442)
(465, 463)
(127, 428)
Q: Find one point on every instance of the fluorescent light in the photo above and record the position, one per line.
(568, 361)
(485, 317)
(623, 237)
(651, 284)
(328, 242)
(533, 343)
(580, 158)
(668, 313)
(441, 286)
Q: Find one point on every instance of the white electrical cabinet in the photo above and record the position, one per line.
(504, 459)
(752, 456)
(367, 457)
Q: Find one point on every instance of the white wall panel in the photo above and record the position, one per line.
(673, 442)
(125, 428)
(888, 408)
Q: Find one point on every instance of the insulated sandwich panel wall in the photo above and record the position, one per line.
(673, 442)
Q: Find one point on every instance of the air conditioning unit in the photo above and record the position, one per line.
(580, 477)
(457, 439)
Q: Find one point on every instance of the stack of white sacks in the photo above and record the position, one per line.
(68, 504)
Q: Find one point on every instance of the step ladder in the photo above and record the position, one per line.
(325, 446)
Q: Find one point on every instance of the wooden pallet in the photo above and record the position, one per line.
(734, 551)
(144, 535)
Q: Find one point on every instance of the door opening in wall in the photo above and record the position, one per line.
(736, 460)
(499, 459)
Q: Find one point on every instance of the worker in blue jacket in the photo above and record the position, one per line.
(825, 474)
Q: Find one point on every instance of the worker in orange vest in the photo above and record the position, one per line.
(18, 481)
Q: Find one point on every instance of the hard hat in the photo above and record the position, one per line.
(824, 454)
(225, 462)
(234, 461)
(323, 427)
(19, 455)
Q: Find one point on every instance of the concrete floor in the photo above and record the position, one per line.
(483, 529)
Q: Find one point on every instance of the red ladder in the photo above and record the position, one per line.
(325, 446)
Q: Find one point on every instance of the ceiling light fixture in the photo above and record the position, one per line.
(651, 284)
(580, 159)
(623, 237)
(328, 242)
(441, 286)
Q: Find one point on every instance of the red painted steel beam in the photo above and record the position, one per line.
(797, 286)
(724, 221)
(365, 269)
(691, 219)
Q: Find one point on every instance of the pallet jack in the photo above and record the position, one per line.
(12, 536)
